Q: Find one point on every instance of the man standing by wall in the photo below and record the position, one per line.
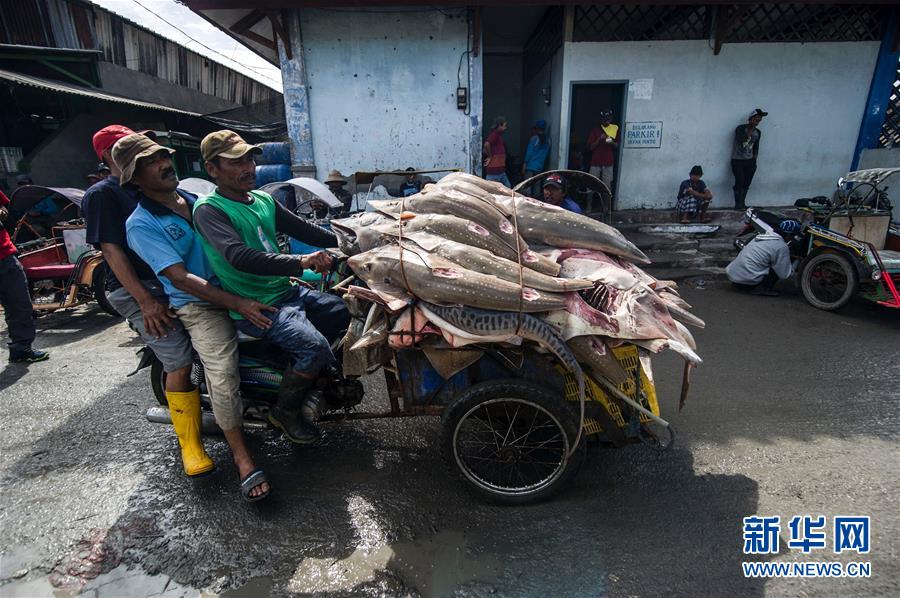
(15, 298)
(602, 143)
(494, 153)
(743, 156)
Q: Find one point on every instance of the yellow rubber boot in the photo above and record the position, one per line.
(184, 407)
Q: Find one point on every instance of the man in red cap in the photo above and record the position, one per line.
(131, 285)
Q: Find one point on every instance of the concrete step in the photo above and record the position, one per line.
(688, 259)
(719, 216)
(695, 275)
(652, 241)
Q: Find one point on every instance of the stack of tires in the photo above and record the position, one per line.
(273, 165)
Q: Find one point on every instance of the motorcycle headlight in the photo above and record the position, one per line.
(876, 275)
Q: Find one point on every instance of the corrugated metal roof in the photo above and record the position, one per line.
(40, 83)
(78, 24)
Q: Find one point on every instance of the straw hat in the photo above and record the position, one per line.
(335, 176)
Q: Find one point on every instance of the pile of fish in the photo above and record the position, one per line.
(467, 262)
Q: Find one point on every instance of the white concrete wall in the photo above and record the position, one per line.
(815, 94)
(382, 89)
(534, 107)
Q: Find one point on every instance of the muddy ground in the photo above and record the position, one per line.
(794, 411)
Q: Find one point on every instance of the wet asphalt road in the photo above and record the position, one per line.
(794, 411)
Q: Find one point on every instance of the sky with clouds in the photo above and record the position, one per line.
(153, 15)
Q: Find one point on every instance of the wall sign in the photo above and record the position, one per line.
(646, 134)
(641, 89)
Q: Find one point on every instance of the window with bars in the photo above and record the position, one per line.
(809, 23)
(890, 130)
(544, 42)
(633, 22)
(762, 22)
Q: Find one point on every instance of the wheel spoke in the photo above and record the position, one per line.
(511, 422)
(502, 450)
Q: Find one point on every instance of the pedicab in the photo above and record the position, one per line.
(585, 188)
(513, 427)
(311, 200)
(851, 245)
(63, 271)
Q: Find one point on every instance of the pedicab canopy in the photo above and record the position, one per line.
(870, 175)
(306, 190)
(25, 198)
(197, 186)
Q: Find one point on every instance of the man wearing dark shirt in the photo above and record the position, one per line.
(411, 184)
(743, 156)
(336, 183)
(15, 298)
(238, 229)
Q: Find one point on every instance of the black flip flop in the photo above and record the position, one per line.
(255, 478)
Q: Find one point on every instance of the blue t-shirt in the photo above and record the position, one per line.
(46, 207)
(163, 238)
(536, 154)
(569, 204)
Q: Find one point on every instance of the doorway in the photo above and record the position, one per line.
(588, 100)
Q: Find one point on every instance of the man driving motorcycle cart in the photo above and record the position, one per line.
(160, 232)
(238, 229)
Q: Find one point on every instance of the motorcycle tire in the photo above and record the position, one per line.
(483, 406)
(98, 286)
(812, 287)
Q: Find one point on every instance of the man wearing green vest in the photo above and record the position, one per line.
(238, 227)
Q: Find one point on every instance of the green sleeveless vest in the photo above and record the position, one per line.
(255, 224)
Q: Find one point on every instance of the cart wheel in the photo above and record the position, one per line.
(98, 286)
(829, 281)
(510, 441)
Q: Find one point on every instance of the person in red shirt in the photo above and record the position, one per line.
(494, 153)
(15, 298)
(602, 143)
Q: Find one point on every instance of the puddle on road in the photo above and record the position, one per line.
(434, 567)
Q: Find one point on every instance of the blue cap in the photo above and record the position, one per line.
(541, 124)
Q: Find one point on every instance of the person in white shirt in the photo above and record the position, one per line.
(764, 261)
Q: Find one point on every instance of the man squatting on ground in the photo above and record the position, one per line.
(238, 229)
(159, 229)
(764, 261)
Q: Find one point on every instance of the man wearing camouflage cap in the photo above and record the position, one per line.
(238, 227)
(160, 231)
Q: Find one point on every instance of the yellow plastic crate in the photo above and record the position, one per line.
(627, 356)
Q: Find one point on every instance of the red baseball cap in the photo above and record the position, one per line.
(106, 137)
